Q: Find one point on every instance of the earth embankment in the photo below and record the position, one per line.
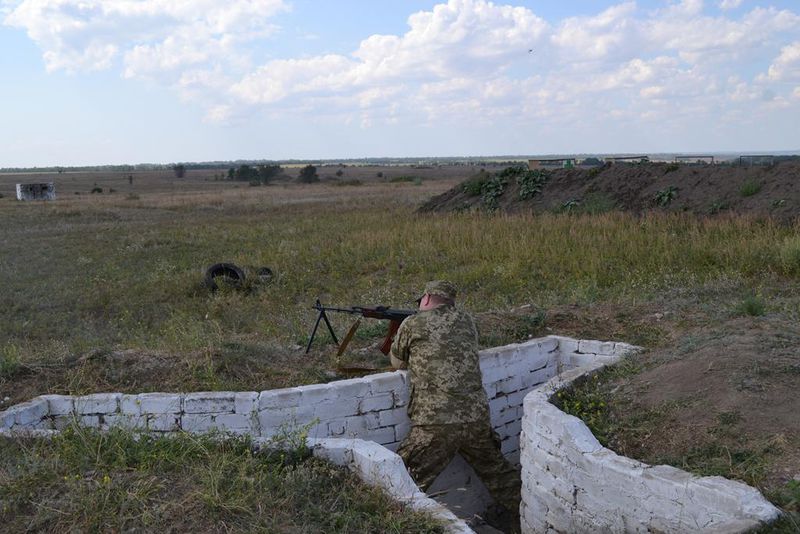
(772, 191)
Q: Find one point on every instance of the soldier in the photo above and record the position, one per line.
(448, 408)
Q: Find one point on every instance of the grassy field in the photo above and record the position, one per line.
(104, 292)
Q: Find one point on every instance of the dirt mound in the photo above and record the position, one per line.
(772, 191)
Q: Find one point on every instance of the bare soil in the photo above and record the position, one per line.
(731, 386)
(698, 189)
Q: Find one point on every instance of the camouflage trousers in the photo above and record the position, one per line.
(428, 449)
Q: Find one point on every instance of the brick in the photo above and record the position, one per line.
(356, 387)
(335, 408)
(393, 417)
(587, 346)
(336, 428)
(234, 423)
(380, 435)
(29, 413)
(316, 393)
(209, 402)
(156, 403)
(59, 404)
(279, 398)
(383, 401)
(401, 430)
(89, 421)
(7, 419)
(515, 399)
(99, 403)
(130, 405)
(127, 421)
(273, 419)
(164, 422)
(386, 382)
(245, 403)
(401, 397)
(496, 406)
(60, 422)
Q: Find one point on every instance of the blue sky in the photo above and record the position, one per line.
(108, 81)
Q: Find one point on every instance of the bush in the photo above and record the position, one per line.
(750, 187)
(96, 190)
(474, 186)
(672, 167)
(308, 175)
(379, 174)
(353, 182)
(339, 173)
(399, 179)
(531, 183)
(492, 191)
(665, 197)
(751, 305)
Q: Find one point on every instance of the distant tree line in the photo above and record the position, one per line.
(260, 174)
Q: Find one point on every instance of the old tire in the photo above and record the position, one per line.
(228, 273)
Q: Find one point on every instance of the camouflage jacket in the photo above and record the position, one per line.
(440, 349)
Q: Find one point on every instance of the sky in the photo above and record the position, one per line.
(93, 82)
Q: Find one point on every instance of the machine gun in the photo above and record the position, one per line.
(394, 316)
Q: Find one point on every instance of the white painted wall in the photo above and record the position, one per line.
(572, 484)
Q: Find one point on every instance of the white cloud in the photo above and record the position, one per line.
(787, 65)
(152, 35)
(463, 61)
(730, 4)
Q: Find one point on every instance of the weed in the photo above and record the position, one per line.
(718, 206)
(417, 180)
(789, 254)
(596, 203)
(569, 206)
(750, 187)
(751, 305)
(664, 197)
(778, 202)
(492, 191)
(474, 186)
(672, 167)
(132, 196)
(530, 183)
(10, 361)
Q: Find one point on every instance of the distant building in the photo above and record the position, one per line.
(41, 191)
(567, 163)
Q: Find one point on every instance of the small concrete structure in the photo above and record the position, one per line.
(570, 482)
(40, 191)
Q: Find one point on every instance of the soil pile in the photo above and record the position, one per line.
(772, 191)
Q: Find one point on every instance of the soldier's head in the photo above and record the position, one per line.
(437, 293)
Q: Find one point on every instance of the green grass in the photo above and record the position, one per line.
(84, 481)
(750, 187)
(119, 275)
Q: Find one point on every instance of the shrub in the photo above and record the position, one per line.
(404, 178)
(750, 187)
(672, 167)
(379, 174)
(308, 175)
(665, 197)
(718, 206)
(474, 186)
(531, 183)
(751, 305)
(353, 182)
(339, 173)
(492, 190)
(96, 190)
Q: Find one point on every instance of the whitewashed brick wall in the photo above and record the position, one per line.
(372, 408)
(572, 484)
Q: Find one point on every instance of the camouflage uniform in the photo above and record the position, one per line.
(448, 408)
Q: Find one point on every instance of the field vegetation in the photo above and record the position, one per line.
(104, 293)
